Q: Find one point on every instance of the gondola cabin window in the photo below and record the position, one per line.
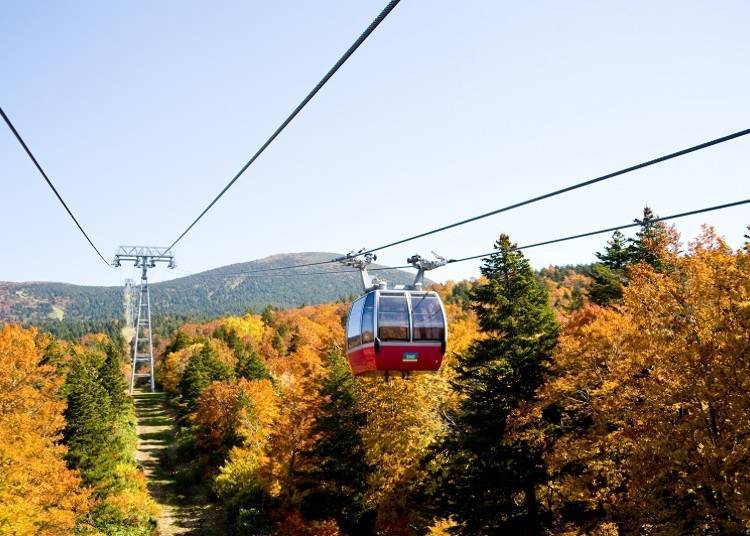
(353, 327)
(393, 317)
(427, 317)
(368, 319)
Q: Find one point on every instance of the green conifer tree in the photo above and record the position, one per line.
(609, 274)
(112, 380)
(277, 342)
(180, 341)
(268, 315)
(576, 299)
(202, 369)
(606, 285)
(650, 241)
(485, 471)
(648, 246)
(338, 485)
(250, 364)
(54, 355)
(293, 340)
(617, 253)
(93, 448)
(100, 436)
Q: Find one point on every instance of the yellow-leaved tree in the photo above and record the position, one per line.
(249, 408)
(403, 420)
(174, 367)
(38, 493)
(646, 423)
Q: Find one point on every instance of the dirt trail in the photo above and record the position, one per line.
(155, 429)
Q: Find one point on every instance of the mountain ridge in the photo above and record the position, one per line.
(214, 292)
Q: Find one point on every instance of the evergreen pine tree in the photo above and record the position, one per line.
(340, 481)
(93, 448)
(648, 246)
(202, 369)
(650, 242)
(609, 275)
(112, 380)
(228, 335)
(576, 299)
(250, 364)
(617, 253)
(277, 342)
(606, 284)
(485, 471)
(268, 315)
(180, 341)
(54, 355)
(293, 340)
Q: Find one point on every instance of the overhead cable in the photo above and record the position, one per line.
(611, 229)
(570, 188)
(265, 271)
(49, 182)
(374, 24)
(531, 200)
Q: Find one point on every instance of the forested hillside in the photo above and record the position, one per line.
(67, 439)
(609, 396)
(604, 400)
(609, 403)
(207, 294)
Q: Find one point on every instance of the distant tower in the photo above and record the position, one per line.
(128, 303)
(143, 353)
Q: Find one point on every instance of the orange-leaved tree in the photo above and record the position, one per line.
(403, 421)
(38, 493)
(225, 410)
(256, 407)
(646, 422)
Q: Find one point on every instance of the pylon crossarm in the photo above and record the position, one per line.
(143, 257)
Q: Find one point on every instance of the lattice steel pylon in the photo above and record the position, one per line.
(128, 303)
(144, 258)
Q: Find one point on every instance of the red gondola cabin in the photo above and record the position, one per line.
(396, 331)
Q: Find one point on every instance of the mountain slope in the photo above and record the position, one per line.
(212, 293)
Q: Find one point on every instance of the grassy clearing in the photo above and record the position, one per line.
(182, 513)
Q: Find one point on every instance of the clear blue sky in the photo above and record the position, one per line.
(141, 112)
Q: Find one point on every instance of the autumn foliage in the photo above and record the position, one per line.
(608, 399)
(39, 494)
(646, 423)
(629, 419)
(67, 439)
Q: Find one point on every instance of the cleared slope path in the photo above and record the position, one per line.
(179, 514)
